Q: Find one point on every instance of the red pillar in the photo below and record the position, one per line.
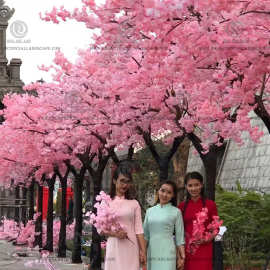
(69, 195)
(45, 202)
(46, 198)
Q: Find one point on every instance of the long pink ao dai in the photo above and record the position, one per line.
(123, 254)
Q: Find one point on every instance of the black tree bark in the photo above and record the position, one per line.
(38, 227)
(49, 242)
(24, 191)
(17, 207)
(210, 162)
(31, 200)
(2, 195)
(76, 252)
(63, 219)
(78, 185)
(87, 190)
(95, 253)
(162, 161)
(262, 112)
(97, 176)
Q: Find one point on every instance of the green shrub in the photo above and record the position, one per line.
(87, 249)
(246, 215)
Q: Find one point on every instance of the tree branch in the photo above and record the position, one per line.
(130, 152)
(148, 141)
(263, 85)
(139, 65)
(175, 26)
(176, 142)
(71, 167)
(196, 141)
(256, 12)
(113, 156)
(29, 117)
(261, 112)
(102, 140)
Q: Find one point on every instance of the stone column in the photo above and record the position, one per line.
(14, 71)
(5, 14)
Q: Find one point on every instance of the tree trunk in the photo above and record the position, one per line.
(95, 252)
(2, 196)
(38, 227)
(262, 112)
(97, 175)
(17, 204)
(180, 161)
(24, 190)
(210, 166)
(163, 169)
(31, 200)
(162, 161)
(87, 189)
(76, 252)
(210, 161)
(63, 218)
(78, 186)
(49, 242)
(86, 159)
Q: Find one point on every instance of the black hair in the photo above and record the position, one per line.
(199, 177)
(175, 190)
(125, 169)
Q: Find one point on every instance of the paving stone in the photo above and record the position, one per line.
(9, 262)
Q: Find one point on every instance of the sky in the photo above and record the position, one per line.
(35, 41)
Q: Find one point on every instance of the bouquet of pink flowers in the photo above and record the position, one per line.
(106, 219)
(201, 232)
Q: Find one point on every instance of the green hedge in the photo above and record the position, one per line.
(246, 215)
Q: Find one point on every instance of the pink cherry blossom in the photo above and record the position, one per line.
(105, 220)
(201, 232)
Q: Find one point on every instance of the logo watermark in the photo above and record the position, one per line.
(32, 48)
(234, 28)
(19, 37)
(18, 29)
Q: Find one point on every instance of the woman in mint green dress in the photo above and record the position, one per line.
(164, 231)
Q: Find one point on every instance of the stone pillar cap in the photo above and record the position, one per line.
(15, 61)
(5, 12)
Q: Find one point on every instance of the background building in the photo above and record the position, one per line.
(248, 164)
(13, 200)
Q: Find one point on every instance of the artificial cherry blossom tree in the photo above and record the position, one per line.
(141, 81)
(200, 69)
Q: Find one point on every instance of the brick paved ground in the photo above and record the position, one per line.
(8, 260)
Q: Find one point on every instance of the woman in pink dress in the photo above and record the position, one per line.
(125, 249)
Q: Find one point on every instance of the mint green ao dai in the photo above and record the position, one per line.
(160, 223)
